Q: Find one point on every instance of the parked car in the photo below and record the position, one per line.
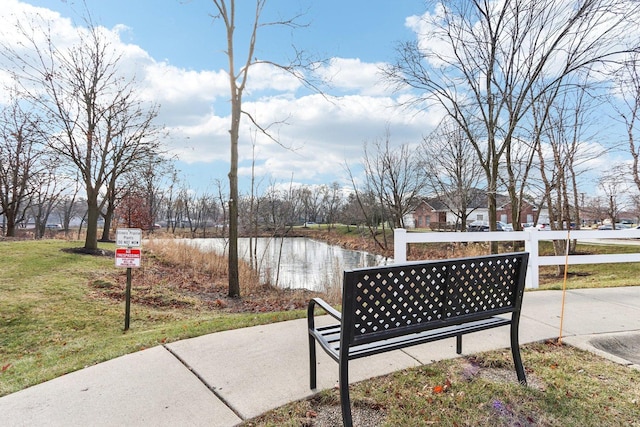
(619, 226)
(484, 226)
(505, 227)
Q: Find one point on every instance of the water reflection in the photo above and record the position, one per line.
(304, 263)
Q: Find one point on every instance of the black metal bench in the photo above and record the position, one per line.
(392, 307)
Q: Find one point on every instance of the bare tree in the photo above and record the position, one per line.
(250, 212)
(627, 90)
(562, 152)
(332, 201)
(21, 151)
(351, 214)
(563, 119)
(46, 196)
(222, 198)
(171, 195)
(615, 187)
(451, 170)
(238, 77)
(279, 210)
(371, 210)
(69, 206)
(97, 123)
(311, 198)
(485, 62)
(395, 176)
(187, 210)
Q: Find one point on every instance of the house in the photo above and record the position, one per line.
(429, 211)
(529, 214)
(435, 213)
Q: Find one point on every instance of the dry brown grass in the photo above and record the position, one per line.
(180, 253)
(425, 251)
(175, 274)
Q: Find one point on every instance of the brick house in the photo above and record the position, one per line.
(434, 213)
(429, 211)
(528, 213)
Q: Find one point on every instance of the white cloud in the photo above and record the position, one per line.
(267, 77)
(15, 13)
(353, 75)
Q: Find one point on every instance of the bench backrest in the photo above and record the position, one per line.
(387, 301)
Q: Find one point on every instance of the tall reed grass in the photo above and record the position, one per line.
(182, 254)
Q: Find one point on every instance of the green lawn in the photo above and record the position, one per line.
(52, 320)
(592, 275)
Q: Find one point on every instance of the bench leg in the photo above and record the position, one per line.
(515, 351)
(459, 344)
(312, 363)
(345, 401)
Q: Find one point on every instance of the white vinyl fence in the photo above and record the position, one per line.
(531, 237)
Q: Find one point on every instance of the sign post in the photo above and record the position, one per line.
(127, 301)
(129, 257)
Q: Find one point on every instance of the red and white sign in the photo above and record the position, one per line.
(128, 257)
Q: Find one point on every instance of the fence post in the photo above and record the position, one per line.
(399, 245)
(531, 245)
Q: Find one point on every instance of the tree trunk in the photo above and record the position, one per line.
(93, 213)
(108, 218)
(10, 224)
(234, 280)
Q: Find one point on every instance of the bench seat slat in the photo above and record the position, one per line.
(425, 337)
(427, 325)
(329, 337)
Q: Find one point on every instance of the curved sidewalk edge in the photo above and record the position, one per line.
(224, 378)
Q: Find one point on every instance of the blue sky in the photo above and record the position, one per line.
(182, 31)
(182, 58)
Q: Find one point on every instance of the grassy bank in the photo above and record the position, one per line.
(56, 315)
(566, 387)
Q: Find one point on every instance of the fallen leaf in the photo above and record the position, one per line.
(5, 367)
(312, 414)
(438, 389)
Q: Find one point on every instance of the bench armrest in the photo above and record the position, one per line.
(323, 305)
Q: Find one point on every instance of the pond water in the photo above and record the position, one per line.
(304, 263)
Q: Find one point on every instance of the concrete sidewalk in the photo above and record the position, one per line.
(224, 378)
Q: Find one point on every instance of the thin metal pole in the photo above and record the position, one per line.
(564, 283)
(127, 303)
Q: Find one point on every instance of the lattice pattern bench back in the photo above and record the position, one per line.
(384, 302)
